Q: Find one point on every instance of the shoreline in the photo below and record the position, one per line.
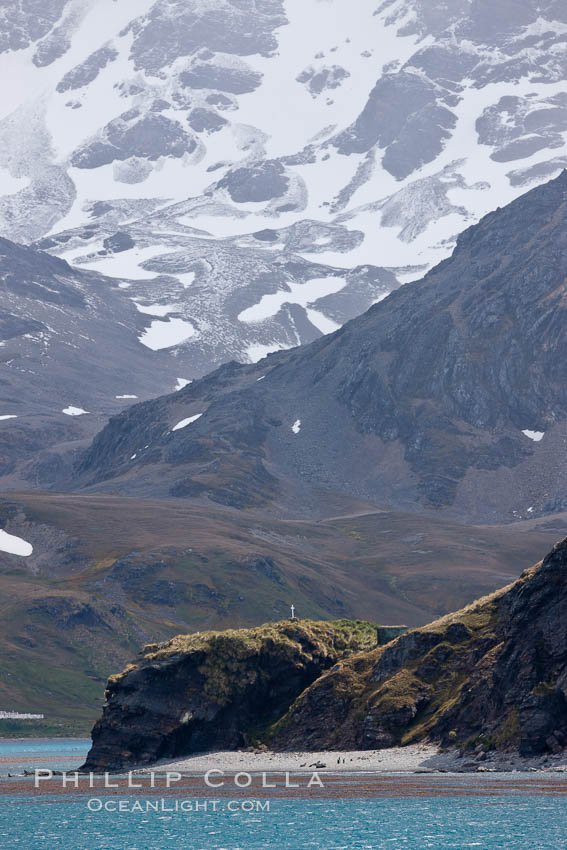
(25, 739)
(412, 759)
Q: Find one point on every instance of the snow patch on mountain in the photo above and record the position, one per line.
(10, 185)
(156, 309)
(14, 545)
(74, 411)
(128, 264)
(255, 353)
(321, 322)
(298, 293)
(183, 423)
(167, 334)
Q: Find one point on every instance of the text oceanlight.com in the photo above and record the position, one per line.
(162, 806)
(96, 804)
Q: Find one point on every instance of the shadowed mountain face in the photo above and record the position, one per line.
(450, 394)
(75, 340)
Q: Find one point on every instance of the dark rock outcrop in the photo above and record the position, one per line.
(149, 137)
(492, 675)
(215, 689)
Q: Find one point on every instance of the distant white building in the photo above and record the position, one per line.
(15, 715)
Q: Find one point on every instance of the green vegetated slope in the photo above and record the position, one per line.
(109, 575)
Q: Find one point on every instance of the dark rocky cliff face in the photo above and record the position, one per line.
(421, 402)
(493, 674)
(216, 690)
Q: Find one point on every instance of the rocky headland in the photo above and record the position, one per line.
(488, 680)
(217, 690)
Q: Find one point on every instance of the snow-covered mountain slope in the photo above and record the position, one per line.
(230, 144)
(236, 298)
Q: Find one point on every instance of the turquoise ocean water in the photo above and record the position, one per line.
(511, 821)
(55, 753)
(296, 825)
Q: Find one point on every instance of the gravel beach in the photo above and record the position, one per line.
(394, 760)
(415, 758)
